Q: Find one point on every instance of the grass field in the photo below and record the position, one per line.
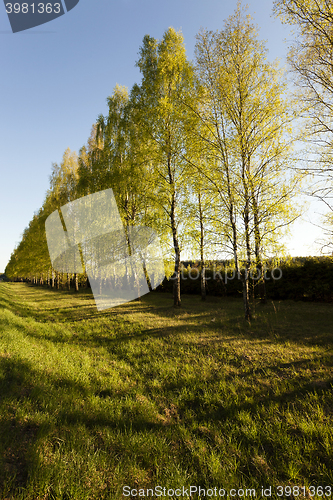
(145, 395)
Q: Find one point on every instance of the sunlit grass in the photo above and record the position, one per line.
(145, 395)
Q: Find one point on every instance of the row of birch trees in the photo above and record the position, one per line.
(201, 151)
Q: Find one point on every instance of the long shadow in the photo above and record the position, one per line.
(18, 437)
(80, 310)
(20, 381)
(216, 329)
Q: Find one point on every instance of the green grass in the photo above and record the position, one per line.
(146, 395)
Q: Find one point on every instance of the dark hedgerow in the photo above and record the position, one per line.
(300, 278)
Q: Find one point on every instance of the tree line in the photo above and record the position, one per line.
(201, 151)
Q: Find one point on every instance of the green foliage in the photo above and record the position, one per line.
(300, 278)
(246, 137)
(308, 279)
(199, 152)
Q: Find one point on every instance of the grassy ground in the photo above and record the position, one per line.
(145, 395)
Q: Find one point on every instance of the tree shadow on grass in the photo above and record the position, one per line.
(22, 388)
(18, 435)
(21, 382)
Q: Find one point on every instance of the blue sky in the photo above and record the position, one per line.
(55, 79)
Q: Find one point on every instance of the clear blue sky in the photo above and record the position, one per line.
(55, 80)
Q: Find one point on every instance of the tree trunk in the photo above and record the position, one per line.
(246, 300)
(203, 269)
(150, 288)
(176, 283)
(246, 218)
(257, 239)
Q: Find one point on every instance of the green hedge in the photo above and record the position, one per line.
(300, 278)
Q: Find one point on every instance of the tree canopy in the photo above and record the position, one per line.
(199, 151)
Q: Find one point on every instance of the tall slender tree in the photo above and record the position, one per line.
(166, 78)
(245, 122)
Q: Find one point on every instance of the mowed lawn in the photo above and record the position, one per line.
(144, 395)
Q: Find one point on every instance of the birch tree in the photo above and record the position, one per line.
(166, 77)
(246, 122)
